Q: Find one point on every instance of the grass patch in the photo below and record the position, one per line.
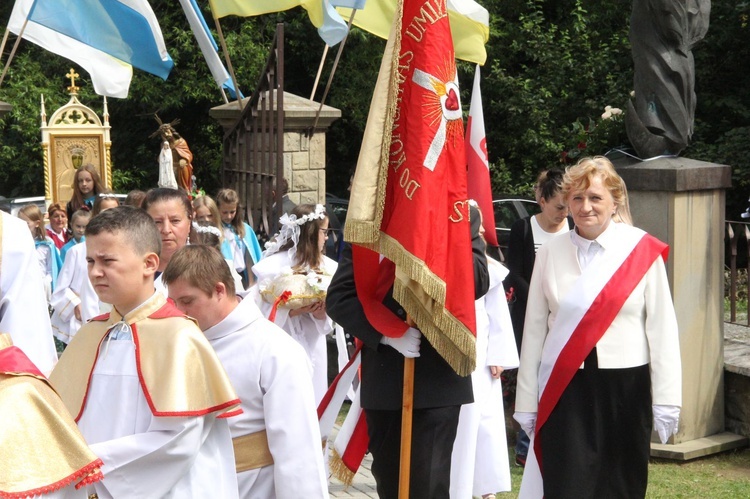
(725, 475)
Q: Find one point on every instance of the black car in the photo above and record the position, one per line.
(507, 210)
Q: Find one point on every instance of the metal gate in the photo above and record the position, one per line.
(253, 161)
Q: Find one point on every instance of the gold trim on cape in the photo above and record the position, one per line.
(172, 384)
(42, 449)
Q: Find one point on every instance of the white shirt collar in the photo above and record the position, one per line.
(588, 249)
(245, 313)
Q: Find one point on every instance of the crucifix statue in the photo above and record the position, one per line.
(182, 158)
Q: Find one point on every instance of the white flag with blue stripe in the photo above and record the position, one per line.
(109, 76)
(125, 29)
(208, 45)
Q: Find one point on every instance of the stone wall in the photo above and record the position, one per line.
(304, 166)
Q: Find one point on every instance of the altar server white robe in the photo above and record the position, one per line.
(479, 463)
(271, 374)
(23, 304)
(145, 455)
(304, 328)
(73, 289)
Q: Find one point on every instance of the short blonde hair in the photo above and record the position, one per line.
(579, 176)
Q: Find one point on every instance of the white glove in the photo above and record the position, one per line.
(666, 419)
(527, 420)
(407, 345)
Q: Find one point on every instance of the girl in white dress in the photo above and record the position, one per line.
(479, 463)
(298, 249)
(74, 301)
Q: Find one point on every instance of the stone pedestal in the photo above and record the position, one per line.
(681, 201)
(304, 152)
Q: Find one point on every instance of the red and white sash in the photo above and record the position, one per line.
(584, 315)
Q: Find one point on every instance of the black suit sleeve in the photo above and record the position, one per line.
(478, 247)
(343, 305)
(517, 257)
(481, 272)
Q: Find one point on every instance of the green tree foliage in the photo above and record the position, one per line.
(553, 65)
(550, 64)
(187, 94)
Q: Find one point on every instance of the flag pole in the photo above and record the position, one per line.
(13, 51)
(226, 56)
(320, 70)
(5, 39)
(407, 410)
(407, 413)
(333, 70)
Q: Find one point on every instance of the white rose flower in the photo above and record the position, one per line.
(615, 111)
(606, 115)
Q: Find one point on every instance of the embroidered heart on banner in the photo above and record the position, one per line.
(451, 103)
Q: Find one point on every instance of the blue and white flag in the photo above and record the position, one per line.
(109, 76)
(208, 45)
(351, 4)
(334, 28)
(125, 29)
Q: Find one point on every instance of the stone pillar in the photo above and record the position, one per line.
(304, 153)
(681, 201)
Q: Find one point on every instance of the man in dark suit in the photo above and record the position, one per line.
(438, 390)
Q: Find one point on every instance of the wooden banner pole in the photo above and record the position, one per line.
(229, 61)
(320, 70)
(13, 51)
(407, 411)
(333, 70)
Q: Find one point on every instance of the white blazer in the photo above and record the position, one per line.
(644, 332)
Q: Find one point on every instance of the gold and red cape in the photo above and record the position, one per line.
(41, 449)
(178, 370)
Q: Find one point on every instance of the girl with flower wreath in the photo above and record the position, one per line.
(297, 250)
(211, 236)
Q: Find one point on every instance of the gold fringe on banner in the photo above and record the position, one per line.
(450, 337)
(367, 202)
(339, 469)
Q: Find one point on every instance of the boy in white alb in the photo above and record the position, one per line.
(143, 384)
(23, 305)
(277, 441)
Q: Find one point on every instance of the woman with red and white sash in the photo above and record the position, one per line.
(601, 352)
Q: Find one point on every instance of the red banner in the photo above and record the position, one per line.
(409, 192)
(480, 187)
